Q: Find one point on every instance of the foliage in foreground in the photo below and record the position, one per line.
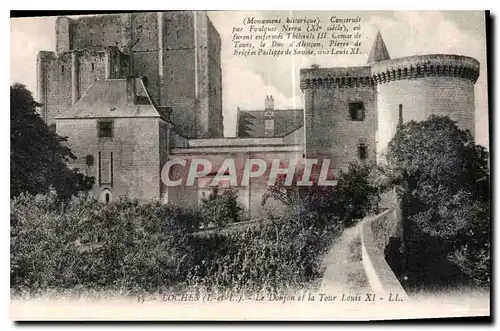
(443, 182)
(150, 248)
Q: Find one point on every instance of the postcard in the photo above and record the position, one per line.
(250, 165)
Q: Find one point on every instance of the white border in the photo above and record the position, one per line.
(190, 4)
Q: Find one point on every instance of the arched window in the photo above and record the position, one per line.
(105, 196)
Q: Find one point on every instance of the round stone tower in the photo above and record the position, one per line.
(415, 87)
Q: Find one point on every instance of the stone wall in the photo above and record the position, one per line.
(136, 154)
(54, 84)
(415, 86)
(64, 78)
(64, 31)
(330, 131)
(180, 60)
(422, 86)
(250, 197)
(215, 81)
(178, 52)
(375, 234)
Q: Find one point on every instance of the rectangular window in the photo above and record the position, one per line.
(105, 172)
(111, 168)
(357, 111)
(105, 129)
(362, 151)
(89, 160)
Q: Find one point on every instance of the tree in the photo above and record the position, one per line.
(38, 156)
(352, 198)
(438, 164)
(442, 179)
(354, 195)
(221, 208)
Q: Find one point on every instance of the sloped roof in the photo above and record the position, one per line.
(379, 50)
(251, 123)
(108, 98)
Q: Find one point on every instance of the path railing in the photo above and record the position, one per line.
(376, 232)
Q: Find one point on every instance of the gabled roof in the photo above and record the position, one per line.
(114, 98)
(379, 50)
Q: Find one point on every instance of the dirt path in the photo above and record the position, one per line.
(344, 269)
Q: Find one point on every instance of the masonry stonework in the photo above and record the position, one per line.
(157, 78)
(419, 86)
(392, 91)
(330, 131)
(135, 154)
(178, 53)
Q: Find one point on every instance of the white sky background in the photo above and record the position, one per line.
(246, 81)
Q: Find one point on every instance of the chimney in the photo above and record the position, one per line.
(237, 121)
(269, 103)
(269, 116)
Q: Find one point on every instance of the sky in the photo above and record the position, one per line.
(247, 81)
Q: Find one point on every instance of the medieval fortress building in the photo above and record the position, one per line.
(134, 91)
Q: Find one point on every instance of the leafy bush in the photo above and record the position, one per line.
(81, 242)
(443, 182)
(221, 208)
(284, 254)
(352, 198)
(472, 245)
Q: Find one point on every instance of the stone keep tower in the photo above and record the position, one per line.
(353, 112)
(178, 54)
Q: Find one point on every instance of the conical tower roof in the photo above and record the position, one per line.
(379, 50)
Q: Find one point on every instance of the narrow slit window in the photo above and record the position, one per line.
(362, 151)
(400, 114)
(99, 168)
